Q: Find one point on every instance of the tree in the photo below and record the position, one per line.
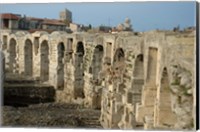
(127, 25)
(67, 22)
(90, 26)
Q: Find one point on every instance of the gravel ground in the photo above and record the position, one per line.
(51, 115)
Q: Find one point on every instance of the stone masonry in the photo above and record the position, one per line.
(142, 80)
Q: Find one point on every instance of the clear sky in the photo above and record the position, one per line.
(144, 15)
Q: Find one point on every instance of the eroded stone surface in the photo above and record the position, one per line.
(138, 81)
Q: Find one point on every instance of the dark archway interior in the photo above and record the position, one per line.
(80, 48)
(119, 55)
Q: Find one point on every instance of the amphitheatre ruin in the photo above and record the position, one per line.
(134, 81)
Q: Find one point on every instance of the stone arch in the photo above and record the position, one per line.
(163, 114)
(13, 55)
(79, 71)
(118, 68)
(149, 90)
(118, 60)
(96, 68)
(60, 69)
(44, 61)
(97, 61)
(137, 81)
(28, 58)
(139, 67)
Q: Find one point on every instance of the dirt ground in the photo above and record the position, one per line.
(51, 115)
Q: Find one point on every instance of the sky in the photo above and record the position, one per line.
(144, 16)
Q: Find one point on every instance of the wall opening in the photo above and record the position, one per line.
(97, 61)
(60, 69)
(79, 71)
(96, 68)
(138, 80)
(28, 58)
(44, 61)
(164, 116)
(108, 53)
(118, 69)
(12, 56)
(118, 62)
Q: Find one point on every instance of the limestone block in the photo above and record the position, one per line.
(142, 111)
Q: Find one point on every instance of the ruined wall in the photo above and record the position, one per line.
(136, 80)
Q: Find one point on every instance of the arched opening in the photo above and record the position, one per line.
(44, 61)
(149, 91)
(79, 71)
(97, 61)
(138, 72)
(118, 63)
(117, 82)
(28, 58)
(12, 56)
(108, 53)
(80, 49)
(164, 117)
(60, 69)
(138, 81)
(95, 69)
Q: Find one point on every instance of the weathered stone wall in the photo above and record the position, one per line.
(144, 80)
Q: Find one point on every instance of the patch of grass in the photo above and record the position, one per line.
(176, 82)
